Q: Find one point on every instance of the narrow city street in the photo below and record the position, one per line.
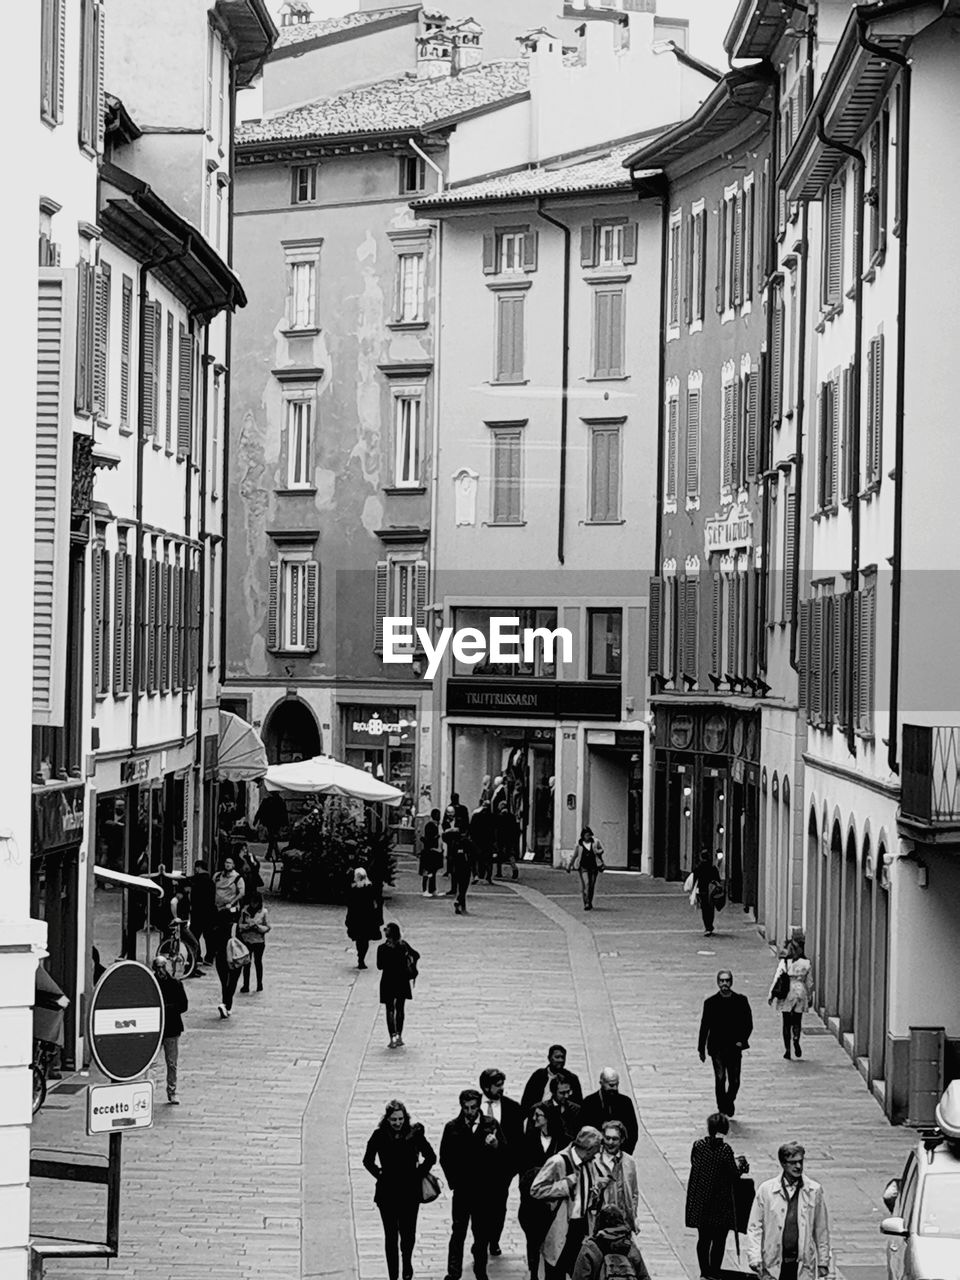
(251, 1175)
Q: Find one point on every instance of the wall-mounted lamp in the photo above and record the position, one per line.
(923, 875)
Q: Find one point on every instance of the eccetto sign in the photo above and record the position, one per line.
(119, 1106)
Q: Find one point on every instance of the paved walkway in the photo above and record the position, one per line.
(279, 1101)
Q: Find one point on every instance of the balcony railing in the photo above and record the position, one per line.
(930, 776)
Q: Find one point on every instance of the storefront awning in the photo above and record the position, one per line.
(129, 882)
(241, 755)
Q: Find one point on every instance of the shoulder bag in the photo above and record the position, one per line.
(430, 1188)
(781, 985)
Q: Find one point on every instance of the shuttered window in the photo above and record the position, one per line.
(692, 442)
(608, 244)
(749, 249)
(842, 622)
(86, 325)
(150, 612)
(509, 365)
(698, 266)
(670, 462)
(849, 480)
(803, 657)
(100, 629)
(178, 621)
(789, 555)
(736, 291)
(655, 627)
(507, 475)
(91, 75)
(815, 685)
(831, 658)
(511, 250)
(168, 387)
(877, 192)
(874, 434)
(608, 340)
(185, 396)
(101, 341)
(408, 440)
(750, 409)
(410, 288)
(831, 281)
(293, 610)
(53, 23)
(605, 474)
(123, 618)
(776, 358)
(126, 322)
(828, 450)
(690, 631)
(192, 603)
(866, 632)
(727, 431)
(674, 278)
(149, 361)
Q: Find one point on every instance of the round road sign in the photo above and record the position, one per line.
(126, 1020)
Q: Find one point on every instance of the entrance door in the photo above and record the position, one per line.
(540, 767)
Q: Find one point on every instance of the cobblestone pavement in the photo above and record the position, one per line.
(279, 1101)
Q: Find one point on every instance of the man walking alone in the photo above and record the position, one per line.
(789, 1235)
(471, 1156)
(725, 1030)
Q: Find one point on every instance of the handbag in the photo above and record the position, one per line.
(781, 985)
(237, 954)
(718, 895)
(688, 883)
(411, 962)
(744, 1191)
(430, 1188)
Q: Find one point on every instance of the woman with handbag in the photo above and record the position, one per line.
(712, 1194)
(792, 989)
(399, 1156)
(397, 962)
(588, 861)
(542, 1139)
(228, 893)
(364, 915)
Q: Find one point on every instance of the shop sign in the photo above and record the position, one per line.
(394, 725)
(135, 770)
(557, 699)
(727, 532)
(629, 738)
(57, 817)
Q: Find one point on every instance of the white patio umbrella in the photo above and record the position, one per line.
(241, 755)
(322, 775)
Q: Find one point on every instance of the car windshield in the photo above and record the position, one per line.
(940, 1205)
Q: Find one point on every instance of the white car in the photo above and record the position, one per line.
(924, 1231)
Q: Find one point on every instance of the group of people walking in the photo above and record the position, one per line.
(470, 847)
(572, 1157)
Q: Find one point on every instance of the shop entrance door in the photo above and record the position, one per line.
(539, 834)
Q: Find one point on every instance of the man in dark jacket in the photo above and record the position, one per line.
(537, 1088)
(608, 1103)
(507, 840)
(509, 1117)
(482, 837)
(272, 816)
(471, 1156)
(203, 910)
(563, 1113)
(175, 1005)
(725, 1030)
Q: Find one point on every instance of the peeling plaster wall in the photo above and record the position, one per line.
(352, 457)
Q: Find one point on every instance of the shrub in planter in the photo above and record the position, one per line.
(327, 844)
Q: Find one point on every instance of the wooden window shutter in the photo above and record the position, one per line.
(688, 271)
(312, 611)
(673, 426)
(101, 370)
(721, 266)
(726, 476)
(489, 253)
(165, 645)
(748, 242)
(531, 241)
(736, 432)
(629, 244)
(273, 607)
(831, 655)
(655, 627)
(601, 334)
(816, 660)
(834, 440)
(841, 625)
(716, 625)
(833, 246)
(693, 443)
(588, 246)
(86, 303)
(865, 649)
(96, 629)
(176, 636)
(737, 290)
(776, 360)
(676, 273)
(120, 587)
(803, 657)
(126, 319)
(848, 477)
(150, 624)
(381, 602)
(691, 626)
(616, 334)
(789, 555)
(168, 387)
(61, 53)
(509, 339)
(185, 394)
(421, 569)
(752, 423)
(874, 409)
(99, 103)
(56, 327)
(148, 375)
(195, 607)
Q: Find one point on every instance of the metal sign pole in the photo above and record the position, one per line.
(113, 1191)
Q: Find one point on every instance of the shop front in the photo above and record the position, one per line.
(706, 781)
(58, 894)
(614, 800)
(383, 740)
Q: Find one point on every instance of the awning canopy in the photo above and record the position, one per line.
(322, 775)
(241, 755)
(129, 882)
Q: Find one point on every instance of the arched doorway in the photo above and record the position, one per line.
(290, 732)
(834, 922)
(848, 932)
(862, 999)
(880, 959)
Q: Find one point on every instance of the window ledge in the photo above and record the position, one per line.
(868, 492)
(851, 293)
(125, 430)
(608, 377)
(509, 382)
(157, 445)
(865, 735)
(509, 284)
(673, 332)
(848, 502)
(395, 489)
(293, 491)
(169, 452)
(696, 326)
(692, 503)
(828, 314)
(727, 316)
(670, 506)
(308, 331)
(502, 524)
(869, 275)
(407, 326)
(607, 275)
(604, 522)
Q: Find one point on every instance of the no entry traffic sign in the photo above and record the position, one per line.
(126, 1020)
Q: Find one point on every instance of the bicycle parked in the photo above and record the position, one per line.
(44, 1052)
(182, 952)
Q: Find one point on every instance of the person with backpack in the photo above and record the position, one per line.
(397, 962)
(609, 1253)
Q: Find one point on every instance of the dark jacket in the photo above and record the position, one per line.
(600, 1107)
(533, 1157)
(272, 813)
(589, 1264)
(394, 971)
(567, 1122)
(202, 901)
(481, 828)
(468, 1162)
(726, 1021)
(364, 913)
(536, 1086)
(398, 1163)
(507, 832)
(175, 1005)
(511, 1126)
(704, 874)
(710, 1190)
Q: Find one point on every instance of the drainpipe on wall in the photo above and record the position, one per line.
(858, 215)
(662, 383)
(771, 279)
(800, 409)
(145, 268)
(205, 362)
(227, 360)
(564, 378)
(903, 191)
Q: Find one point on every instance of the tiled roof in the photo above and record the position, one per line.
(297, 32)
(393, 105)
(597, 173)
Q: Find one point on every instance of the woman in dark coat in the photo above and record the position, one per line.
(711, 1202)
(541, 1139)
(398, 1155)
(364, 915)
(397, 962)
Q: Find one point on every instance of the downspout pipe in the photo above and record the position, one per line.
(896, 562)
(858, 216)
(800, 412)
(766, 442)
(227, 377)
(205, 362)
(564, 377)
(662, 383)
(152, 264)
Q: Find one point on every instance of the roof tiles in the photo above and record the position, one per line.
(297, 32)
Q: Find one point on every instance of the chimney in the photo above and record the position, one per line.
(434, 55)
(467, 44)
(539, 42)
